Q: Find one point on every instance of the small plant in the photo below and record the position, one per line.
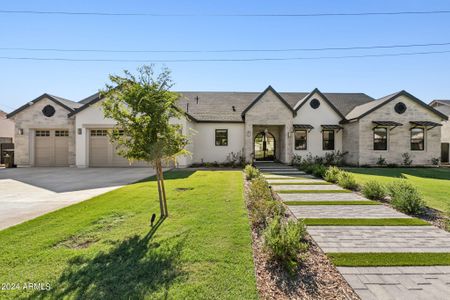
(381, 161)
(392, 165)
(335, 158)
(319, 170)
(347, 181)
(332, 174)
(296, 160)
(435, 161)
(284, 242)
(407, 161)
(251, 172)
(406, 198)
(374, 190)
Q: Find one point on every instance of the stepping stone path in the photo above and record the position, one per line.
(368, 282)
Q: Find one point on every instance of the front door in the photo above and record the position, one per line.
(264, 146)
(445, 152)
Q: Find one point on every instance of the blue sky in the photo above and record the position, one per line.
(427, 77)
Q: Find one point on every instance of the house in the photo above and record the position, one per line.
(6, 128)
(53, 131)
(444, 107)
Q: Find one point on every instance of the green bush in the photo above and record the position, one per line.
(283, 241)
(406, 198)
(261, 204)
(251, 172)
(374, 190)
(381, 161)
(407, 161)
(347, 181)
(319, 170)
(332, 174)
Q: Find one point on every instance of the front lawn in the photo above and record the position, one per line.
(433, 183)
(104, 248)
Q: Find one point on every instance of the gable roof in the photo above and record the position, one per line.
(316, 90)
(2, 113)
(271, 89)
(365, 109)
(205, 106)
(63, 102)
(440, 101)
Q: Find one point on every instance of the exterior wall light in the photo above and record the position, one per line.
(80, 131)
(20, 131)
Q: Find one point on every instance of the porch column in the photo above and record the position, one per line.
(248, 142)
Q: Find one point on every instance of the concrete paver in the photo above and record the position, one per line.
(345, 211)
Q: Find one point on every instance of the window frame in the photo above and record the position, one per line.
(386, 139)
(306, 140)
(61, 133)
(411, 139)
(323, 140)
(219, 143)
(40, 133)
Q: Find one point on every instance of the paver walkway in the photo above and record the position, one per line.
(368, 282)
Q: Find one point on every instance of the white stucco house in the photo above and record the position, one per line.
(444, 107)
(267, 125)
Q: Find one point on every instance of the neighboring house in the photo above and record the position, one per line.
(6, 128)
(52, 131)
(444, 107)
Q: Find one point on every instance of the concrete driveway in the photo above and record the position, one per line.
(26, 193)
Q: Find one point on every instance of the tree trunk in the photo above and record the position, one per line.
(161, 175)
(161, 203)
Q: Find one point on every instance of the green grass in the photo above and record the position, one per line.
(104, 248)
(433, 183)
(389, 259)
(340, 202)
(313, 191)
(366, 222)
(300, 183)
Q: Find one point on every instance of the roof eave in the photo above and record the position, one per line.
(45, 95)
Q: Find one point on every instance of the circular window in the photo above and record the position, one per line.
(48, 111)
(314, 103)
(400, 107)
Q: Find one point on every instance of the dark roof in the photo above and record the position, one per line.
(89, 99)
(269, 88)
(440, 101)
(365, 109)
(425, 123)
(331, 127)
(65, 103)
(387, 123)
(303, 126)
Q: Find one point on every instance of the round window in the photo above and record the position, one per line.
(400, 107)
(48, 111)
(314, 103)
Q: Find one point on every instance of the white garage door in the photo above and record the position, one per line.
(51, 148)
(102, 153)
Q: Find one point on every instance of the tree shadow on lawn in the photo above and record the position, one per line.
(130, 270)
(431, 173)
(170, 175)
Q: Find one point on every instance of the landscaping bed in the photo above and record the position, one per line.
(315, 277)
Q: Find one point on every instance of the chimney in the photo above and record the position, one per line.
(187, 107)
(196, 98)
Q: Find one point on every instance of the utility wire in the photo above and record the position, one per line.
(229, 50)
(139, 14)
(222, 59)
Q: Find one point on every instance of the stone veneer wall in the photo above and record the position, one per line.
(31, 119)
(350, 143)
(269, 110)
(399, 137)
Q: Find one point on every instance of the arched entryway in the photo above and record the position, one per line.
(264, 146)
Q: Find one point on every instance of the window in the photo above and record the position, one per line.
(61, 133)
(221, 137)
(42, 133)
(99, 132)
(328, 139)
(417, 139)
(380, 138)
(301, 140)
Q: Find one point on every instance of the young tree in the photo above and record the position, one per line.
(142, 106)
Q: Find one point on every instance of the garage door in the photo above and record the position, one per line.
(51, 148)
(102, 153)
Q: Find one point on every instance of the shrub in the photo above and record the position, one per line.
(335, 158)
(332, 174)
(347, 181)
(407, 161)
(283, 241)
(309, 168)
(296, 160)
(374, 190)
(381, 161)
(251, 172)
(261, 204)
(392, 165)
(319, 170)
(435, 161)
(406, 198)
